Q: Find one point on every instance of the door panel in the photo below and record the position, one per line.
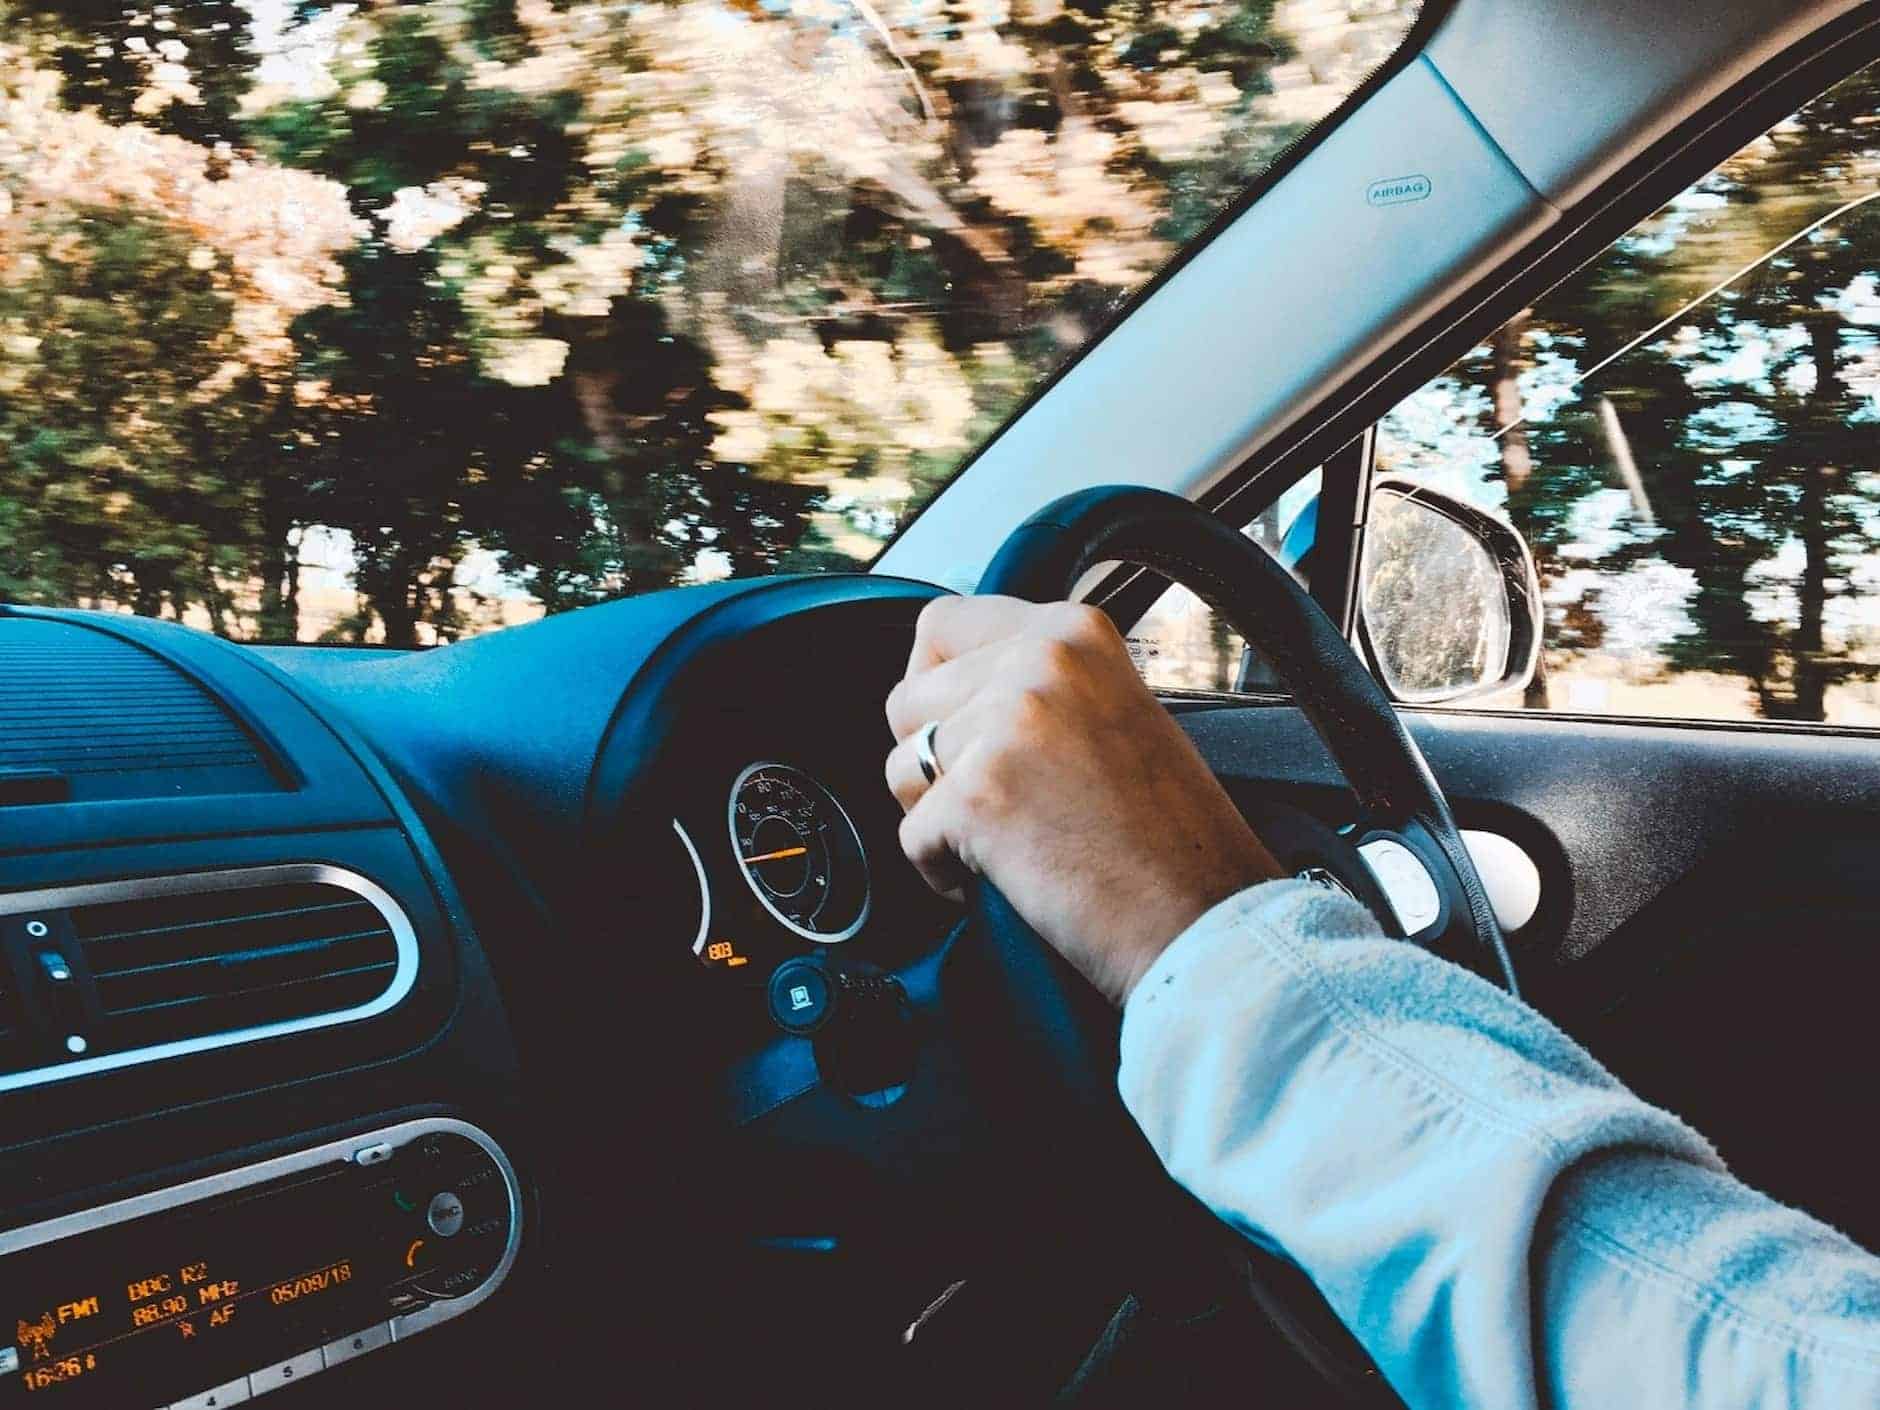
(1710, 911)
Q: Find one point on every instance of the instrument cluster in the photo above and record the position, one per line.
(788, 874)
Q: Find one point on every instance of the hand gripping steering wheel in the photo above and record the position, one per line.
(1041, 1044)
(1398, 798)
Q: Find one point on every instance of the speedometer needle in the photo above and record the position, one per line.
(776, 856)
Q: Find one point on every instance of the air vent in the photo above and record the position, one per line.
(86, 716)
(125, 971)
(183, 966)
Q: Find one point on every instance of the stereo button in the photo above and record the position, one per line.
(234, 1393)
(282, 1373)
(358, 1344)
(453, 1282)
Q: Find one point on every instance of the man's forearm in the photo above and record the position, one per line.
(1500, 1223)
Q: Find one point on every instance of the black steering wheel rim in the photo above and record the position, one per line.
(1046, 556)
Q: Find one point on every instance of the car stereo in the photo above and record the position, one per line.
(210, 1293)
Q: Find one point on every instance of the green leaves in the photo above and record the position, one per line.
(112, 447)
(1736, 568)
(180, 67)
(507, 306)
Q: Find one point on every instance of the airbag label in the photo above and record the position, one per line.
(1397, 190)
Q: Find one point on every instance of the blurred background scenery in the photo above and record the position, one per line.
(1687, 432)
(392, 323)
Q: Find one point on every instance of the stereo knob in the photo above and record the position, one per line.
(466, 1215)
(445, 1214)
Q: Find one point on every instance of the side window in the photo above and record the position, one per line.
(1181, 645)
(1687, 432)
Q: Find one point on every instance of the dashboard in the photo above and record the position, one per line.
(550, 1014)
(356, 1008)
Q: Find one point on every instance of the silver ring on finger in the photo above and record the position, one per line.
(924, 752)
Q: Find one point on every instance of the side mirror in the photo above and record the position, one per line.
(1448, 601)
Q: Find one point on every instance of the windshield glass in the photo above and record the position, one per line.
(391, 323)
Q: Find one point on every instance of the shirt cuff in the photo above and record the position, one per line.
(1302, 909)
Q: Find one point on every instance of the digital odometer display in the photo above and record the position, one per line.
(799, 852)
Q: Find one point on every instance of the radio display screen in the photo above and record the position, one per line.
(148, 1311)
(143, 1312)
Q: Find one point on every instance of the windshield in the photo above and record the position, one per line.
(392, 323)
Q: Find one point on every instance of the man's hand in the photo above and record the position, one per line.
(1063, 782)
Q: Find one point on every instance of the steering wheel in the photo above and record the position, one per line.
(1042, 1045)
(1399, 801)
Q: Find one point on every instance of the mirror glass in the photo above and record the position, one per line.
(1435, 601)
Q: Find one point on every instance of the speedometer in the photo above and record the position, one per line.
(799, 852)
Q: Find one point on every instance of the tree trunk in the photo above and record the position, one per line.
(1227, 648)
(399, 612)
(391, 590)
(1624, 467)
(290, 607)
(277, 619)
(1808, 652)
(1517, 462)
(1267, 528)
(1517, 465)
(1811, 673)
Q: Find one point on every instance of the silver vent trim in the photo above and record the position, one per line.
(102, 893)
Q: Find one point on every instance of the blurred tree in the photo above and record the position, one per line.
(1787, 488)
(1729, 444)
(180, 66)
(390, 456)
(629, 295)
(124, 403)
(570, 434)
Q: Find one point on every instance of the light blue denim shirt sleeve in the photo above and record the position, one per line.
(1500, 1222)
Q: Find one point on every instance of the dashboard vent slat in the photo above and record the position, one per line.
(179, 966)
(242, 972)
(221, 1013)
(116, 720)
(122, 919)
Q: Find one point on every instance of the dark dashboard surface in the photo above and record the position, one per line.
(553, 813)
(598, 836)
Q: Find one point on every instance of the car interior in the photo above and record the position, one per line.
(552, 1014)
